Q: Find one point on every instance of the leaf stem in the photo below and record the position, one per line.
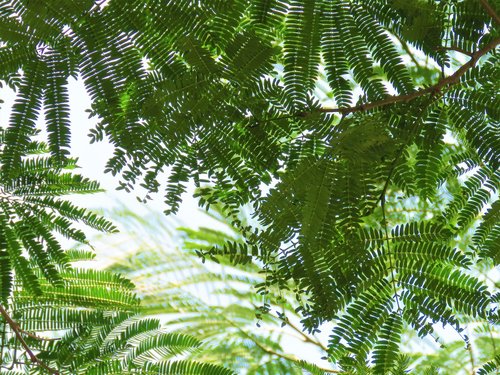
(408, 52)
(471, 358)
(391, 265)
(18, 333)
(305, 337)
(281, 355)
(274, 352)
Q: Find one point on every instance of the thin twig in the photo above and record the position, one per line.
(442, 84)
(471, 358)
(36, 337)
(413, 131)
(304, 336)
(307, 338)
(18, 333)
(400, 152)
(489, 9)
(278, 354)
(273, 352)
(409, 53)
(456, 49)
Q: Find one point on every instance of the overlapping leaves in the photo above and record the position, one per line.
(223, 93)
(90, 325)
(33, 215)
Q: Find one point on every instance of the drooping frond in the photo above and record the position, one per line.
(32, 215)
(89, 325)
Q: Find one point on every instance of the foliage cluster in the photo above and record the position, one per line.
(217, 303)
(374, 205)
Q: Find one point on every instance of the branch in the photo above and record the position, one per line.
(273, 352)
(489, 9)
(442, 84)
(304, 336)
(281, 355)
(18, 332)
(36, 337)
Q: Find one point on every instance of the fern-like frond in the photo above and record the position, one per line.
(385, 354)
(32, 214)
(374, 193)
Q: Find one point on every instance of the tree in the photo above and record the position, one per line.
(222, 94)
(88, 319)
(217, 302)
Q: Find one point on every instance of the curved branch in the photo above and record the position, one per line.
(489, 9)
(442, 84)
(281, 355)
(18, 333)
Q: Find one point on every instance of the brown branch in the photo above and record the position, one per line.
(489, 9)
(18, 332)
(442, 84)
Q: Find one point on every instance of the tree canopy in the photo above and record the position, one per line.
(362, 134)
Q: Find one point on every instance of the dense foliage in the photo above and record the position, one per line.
(373, 204)
(217, 303)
